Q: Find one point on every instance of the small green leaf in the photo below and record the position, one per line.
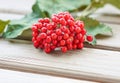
(16, 27)
(94, 28)
(3, 25)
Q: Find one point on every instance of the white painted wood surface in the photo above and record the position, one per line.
(8, 76)
(88, 64)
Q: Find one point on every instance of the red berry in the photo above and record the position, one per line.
(53, 47)
(80, 46)
(83, 32)
(44, 29)
(76, 41)
(74, 46)
(39, 25)
(72, 29)
(71, 23)
(48, 39)
(64, 49)
(62, 21)
(49, 26)
(58, 31)
(42, 35)
(47, 50)
(34, 28)
(89, 38)
(79, 36)
(69, 46)
(53, 36)
(41, 20)
(77, 29)
(55, 19)
(33, 39)
(47, 20)
(36, 44)
(34, 34)
(69, 41)
(54, 42)
(59, 38)
(46, 45)
(65, 36)
(62, 42)
(66, 16)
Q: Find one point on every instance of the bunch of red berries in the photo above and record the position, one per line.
(61, 31)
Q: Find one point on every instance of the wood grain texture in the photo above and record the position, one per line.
(8, 76)
(88, 64)
(16, 6)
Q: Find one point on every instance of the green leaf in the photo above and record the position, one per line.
(50, 7)
(16, 27)
(94, 28)
(3, 25)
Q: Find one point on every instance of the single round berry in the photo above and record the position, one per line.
(80, 46)
(34, 28)
(36, 44)
(89, 38)
(34, 34)
(42, 35)
(69, 41)
(77, 29)
(44, 29)
(47, 20)
(54, 42)
(48, 39)
(47, 50)
(53, 36)
(62, 21)
(64, 49)
(69, 46)
(62, 42)
(58, 31)
(71, 23)
(59, 38)
(65, 36)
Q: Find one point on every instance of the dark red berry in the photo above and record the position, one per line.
(53, 36)
(62, 42)
(42, 35)
(58, 31)
(48, 39)
(89, 38)
(64, 49)
(47, 50)
(65, 36)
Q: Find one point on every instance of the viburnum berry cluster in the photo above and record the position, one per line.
(61, 31)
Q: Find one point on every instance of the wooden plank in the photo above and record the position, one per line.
(15, 6)
(88, 64)
(8, 76)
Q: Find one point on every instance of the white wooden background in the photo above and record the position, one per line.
(100, 63)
